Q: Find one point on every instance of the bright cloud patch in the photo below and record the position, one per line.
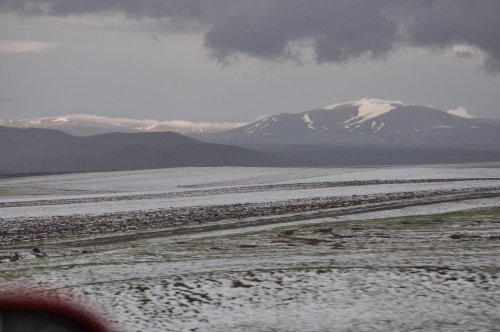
(463, 50)
(25, 46)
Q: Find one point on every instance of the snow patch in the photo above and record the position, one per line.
(308, 121)
(376, 128)
(147, 128)
(352, 129)
(438, 126)
(366, 102)
(332, 106)
(61, 120)
(368, 108)
(257, 126)
(372, 108)
(461, 112)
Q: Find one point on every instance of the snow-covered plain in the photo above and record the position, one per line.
(171, 178)
(141, 184)
(418, 270)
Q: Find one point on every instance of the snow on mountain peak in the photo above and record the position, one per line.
(373, 104)
(368, 108)
(371, 108)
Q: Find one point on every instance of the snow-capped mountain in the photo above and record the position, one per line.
(361, 123)
(369, 122)
(86, 125)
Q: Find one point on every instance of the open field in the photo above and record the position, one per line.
(393, 249)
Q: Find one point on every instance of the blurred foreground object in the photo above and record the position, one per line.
(39, 314)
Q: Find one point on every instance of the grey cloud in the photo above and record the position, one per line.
(5, 100)
(337, 30)
(448, 22)
(143, 8)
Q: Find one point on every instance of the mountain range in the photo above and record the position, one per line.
(35, 150)
(362, 123)
(87, 125)
(363, 132)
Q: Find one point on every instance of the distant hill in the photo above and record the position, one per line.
(369, 132)
(45, 150)
(367, 123)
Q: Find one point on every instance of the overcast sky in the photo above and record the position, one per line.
(238, 60)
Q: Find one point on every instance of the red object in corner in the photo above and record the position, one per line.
(11, 305)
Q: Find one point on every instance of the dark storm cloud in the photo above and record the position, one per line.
(337, 30)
